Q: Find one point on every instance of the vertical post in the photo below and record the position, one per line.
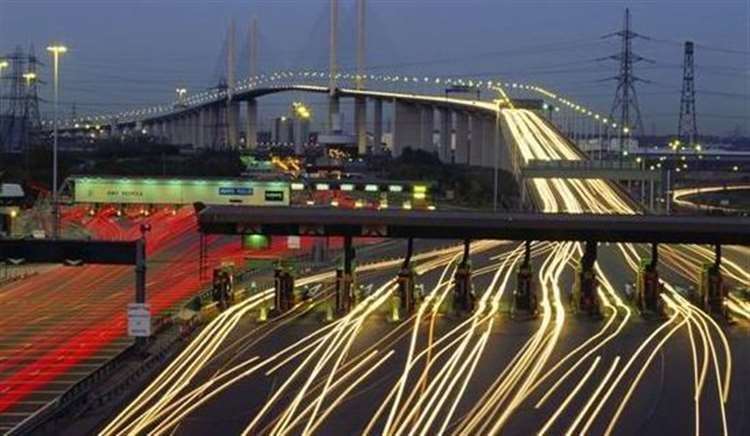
(409, 251)
(254, 48)
(332, 70)
(446, 129)
(717, 257)
(231, 117)
(360, 121)
(251, 126)
(360, 44)
(467, 246)
(348, 255)
(526, 253)
(140, 273)
(140, 270)
(55, 205)
(377, 128)
(669, 192)
(461, 141)
(496, 158)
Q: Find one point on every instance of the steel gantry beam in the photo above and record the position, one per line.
(475, 225)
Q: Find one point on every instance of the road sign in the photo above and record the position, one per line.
(293, 242)
(139, 320)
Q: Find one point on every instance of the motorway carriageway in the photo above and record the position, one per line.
(430, 373)
(59, 326)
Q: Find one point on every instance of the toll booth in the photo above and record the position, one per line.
(344, 291)
(406, 295)
(525, 295)
(345, 279)
(284, 298)
(648, 287)
(586, 283)
(463, 292)
(712, 290)
(222, 286)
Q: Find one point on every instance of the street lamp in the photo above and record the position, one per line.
(30, 77)
(3, 65)
(56, 50)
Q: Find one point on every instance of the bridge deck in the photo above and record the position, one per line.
(474, 225)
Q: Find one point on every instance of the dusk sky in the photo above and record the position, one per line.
(128, 54)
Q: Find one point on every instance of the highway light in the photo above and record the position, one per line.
(30, 77)
(56, 50)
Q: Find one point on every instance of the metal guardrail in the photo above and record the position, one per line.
(583, 165)
(81, 389)
(73, 393)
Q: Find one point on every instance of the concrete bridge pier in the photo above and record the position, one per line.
(163, 132)
(477, 140)
(377, 128)
(427, 128)
(114, 130)
(169, 131)
(461, 142)
(406, 120)
(176, 130)
(251, 124)
(195, 128)
(360, 124)
(201, 139)
(334, 116)
(184, 129)
(232, 114)
(490, 150)
(208, 130)
(214, 127)
(446, 131)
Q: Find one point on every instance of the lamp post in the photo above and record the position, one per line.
(30, 77)
(497, 152)
(57, 50)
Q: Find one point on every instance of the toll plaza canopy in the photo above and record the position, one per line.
(475, 225)
(177, 191)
